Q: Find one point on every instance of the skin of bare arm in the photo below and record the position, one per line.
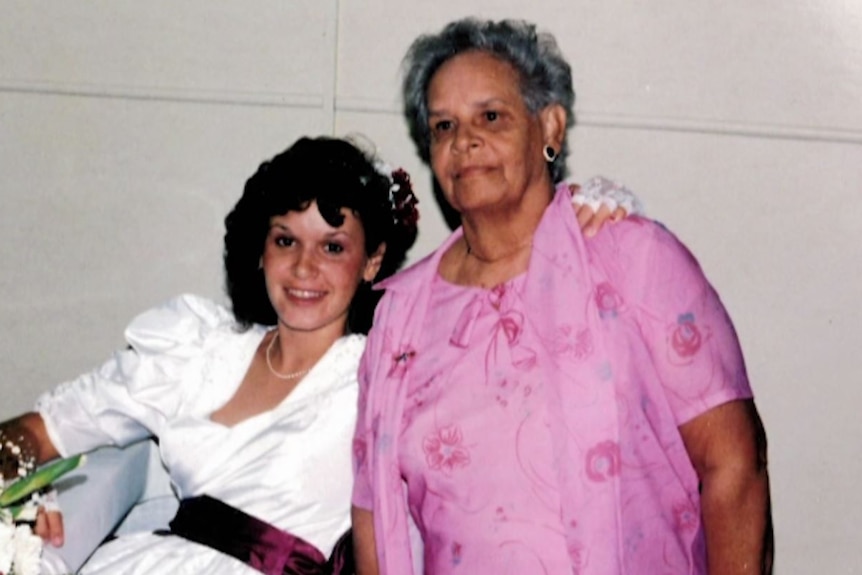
(364, 548)
(31, 426)
(727, 446)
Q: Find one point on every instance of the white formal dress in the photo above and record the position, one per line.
(290, 466)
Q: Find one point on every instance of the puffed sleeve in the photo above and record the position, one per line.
(132, 394)
(691, 340)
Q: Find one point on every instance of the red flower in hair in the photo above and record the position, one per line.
(403, 199)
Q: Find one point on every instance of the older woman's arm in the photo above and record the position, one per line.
(364, 548)
(727, 446)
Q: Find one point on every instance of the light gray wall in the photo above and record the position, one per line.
(127, 130)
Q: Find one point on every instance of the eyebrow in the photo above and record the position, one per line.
(337, 233)
(478, 105)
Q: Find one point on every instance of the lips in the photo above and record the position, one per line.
(304, 294)
(468, 171)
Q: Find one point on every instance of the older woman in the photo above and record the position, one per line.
(531, 401)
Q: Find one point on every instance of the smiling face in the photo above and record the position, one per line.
(486, 146)
(312, 269)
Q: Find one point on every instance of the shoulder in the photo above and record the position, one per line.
(185, 319)
(350, 347)
(398, 311)
(414, 276)
(654, 271)
(633, 231)
(647, 263)
(640, 242)
(411, 277)
(402, 289)
(338, 367)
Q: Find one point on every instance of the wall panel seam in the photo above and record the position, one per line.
(331, 84)
(332, 105)
(166, 94)
(657, 123)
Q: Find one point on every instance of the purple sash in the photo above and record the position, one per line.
(217, 525)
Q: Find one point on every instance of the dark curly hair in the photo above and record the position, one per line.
(335, 174)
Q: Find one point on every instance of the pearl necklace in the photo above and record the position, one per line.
(292, 375)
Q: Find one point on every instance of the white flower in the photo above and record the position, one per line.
(20, 550)
(7, 546)
(28, 551)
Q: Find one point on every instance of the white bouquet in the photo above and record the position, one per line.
(20, 548)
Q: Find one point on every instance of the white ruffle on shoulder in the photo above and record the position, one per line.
(290, 466)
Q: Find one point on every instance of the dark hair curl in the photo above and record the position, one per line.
(335, 174)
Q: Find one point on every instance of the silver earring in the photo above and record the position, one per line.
(550, 153)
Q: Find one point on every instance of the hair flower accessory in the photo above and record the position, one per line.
(403, 199)
(401, 196)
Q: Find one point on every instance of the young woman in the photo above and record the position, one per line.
(254, 406)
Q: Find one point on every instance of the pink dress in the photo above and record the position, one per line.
(535, 425)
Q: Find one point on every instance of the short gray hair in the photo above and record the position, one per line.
(546, 77)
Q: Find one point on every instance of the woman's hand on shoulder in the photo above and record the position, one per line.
(600, 201)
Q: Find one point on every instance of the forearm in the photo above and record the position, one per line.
(727, 446)
(364, 546)
(25, 439)
(737, 522)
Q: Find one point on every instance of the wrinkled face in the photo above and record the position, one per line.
(312, 269)
(486, 146)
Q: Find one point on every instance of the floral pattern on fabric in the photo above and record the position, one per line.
(536, 427)
(444, 450)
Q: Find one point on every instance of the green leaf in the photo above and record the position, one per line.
(41, 478)
(15, 510)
